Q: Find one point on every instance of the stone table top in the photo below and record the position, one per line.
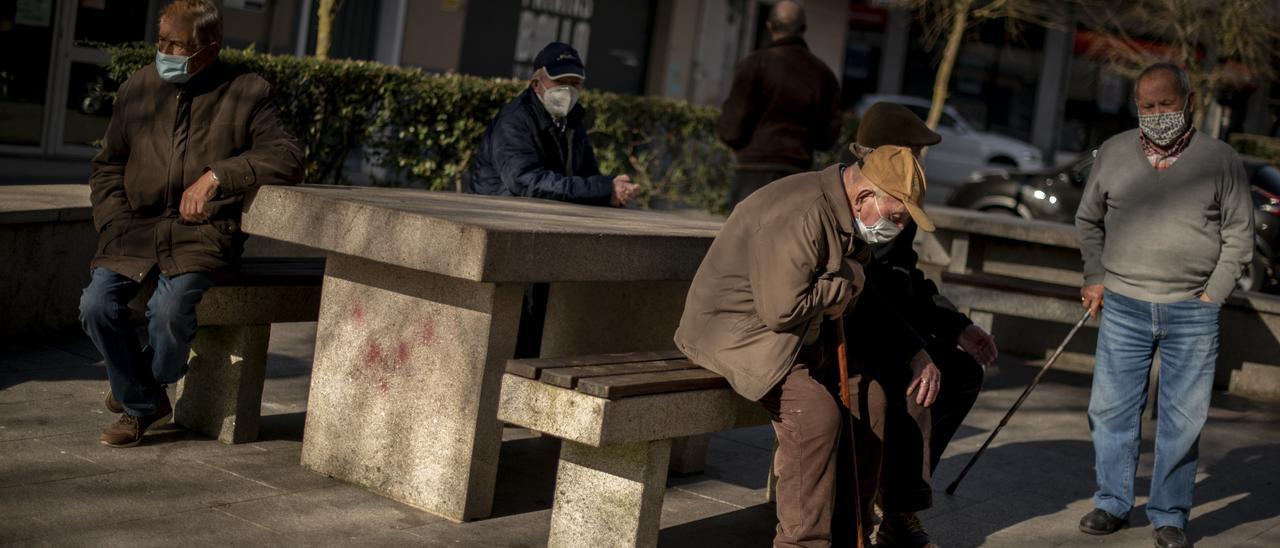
(484, 238)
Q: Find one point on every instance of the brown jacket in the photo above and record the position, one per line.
(783, 257)
(162, 137)
(784, 105)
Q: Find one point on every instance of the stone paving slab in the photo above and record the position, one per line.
(59, 486)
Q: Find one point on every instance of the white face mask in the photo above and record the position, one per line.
(882, 231)
(559, 100)
(1163, 129)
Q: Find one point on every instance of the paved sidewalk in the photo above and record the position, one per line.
(58, 486)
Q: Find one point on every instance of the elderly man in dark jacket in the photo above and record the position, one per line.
(537, 146)
(915, 434)
(188, 139)
(784, 105)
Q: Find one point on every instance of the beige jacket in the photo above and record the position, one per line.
(784, 256)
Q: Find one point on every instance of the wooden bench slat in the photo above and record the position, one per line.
(568, 377)
(638, 384)
(530, 368)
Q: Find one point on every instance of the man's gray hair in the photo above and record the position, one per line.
(1180, 77)
(787, 17)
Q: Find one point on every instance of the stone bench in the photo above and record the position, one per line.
(981, 296)
(617, 415)
(221, 395)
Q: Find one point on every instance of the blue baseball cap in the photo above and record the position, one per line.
(560, 60)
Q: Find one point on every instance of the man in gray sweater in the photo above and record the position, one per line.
(1166, 228)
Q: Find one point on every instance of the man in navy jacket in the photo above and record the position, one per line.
(537, 146)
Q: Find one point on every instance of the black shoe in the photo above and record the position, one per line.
(1099, 522)
(112, 404)
(1170, 537)
(902, 530)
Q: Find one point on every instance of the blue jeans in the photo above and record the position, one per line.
(1186, 334)
(137, 374)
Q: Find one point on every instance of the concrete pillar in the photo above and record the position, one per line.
(609, 496)
(1051, 92)
(404, 387)
(606, 317)
(221, 395)
(893, 55)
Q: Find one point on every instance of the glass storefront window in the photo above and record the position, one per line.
(26, 27)
(88, 104)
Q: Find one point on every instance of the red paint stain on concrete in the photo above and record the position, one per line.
(402, 354)
(383, 386)
(357, 313)
(428, 332)
(373, 354)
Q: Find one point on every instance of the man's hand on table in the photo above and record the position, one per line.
(623, 191)
(197, 196)
(978, 343)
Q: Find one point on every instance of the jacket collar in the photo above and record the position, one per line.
(833, 188)
(788, 41)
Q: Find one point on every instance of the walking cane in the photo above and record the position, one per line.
(951, 489)
(842, 355)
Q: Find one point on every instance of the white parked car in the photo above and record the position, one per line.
(963, 149)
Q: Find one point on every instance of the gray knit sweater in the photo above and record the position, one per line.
(1166, 236)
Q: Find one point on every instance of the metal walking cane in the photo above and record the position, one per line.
(951, 489)
(842, 356)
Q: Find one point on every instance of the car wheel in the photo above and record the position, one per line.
(1256, 274)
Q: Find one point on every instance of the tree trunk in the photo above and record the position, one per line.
(943, 79)
(324, 27)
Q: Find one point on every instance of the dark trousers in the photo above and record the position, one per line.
(808, 420)
(747, 181)
(914, 437)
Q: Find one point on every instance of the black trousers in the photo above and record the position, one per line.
(915, 437)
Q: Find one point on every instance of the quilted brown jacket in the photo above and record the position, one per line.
(161, 138)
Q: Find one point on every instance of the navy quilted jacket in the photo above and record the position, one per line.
(523, 153)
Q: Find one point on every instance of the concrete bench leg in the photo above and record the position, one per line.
(689, 454)
(221, 395)
(609, 496)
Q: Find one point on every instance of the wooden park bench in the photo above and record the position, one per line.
(221, 395)
(617, 415)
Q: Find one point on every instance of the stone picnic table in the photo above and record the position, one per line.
(419, 310)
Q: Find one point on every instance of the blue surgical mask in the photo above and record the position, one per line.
(173, 68)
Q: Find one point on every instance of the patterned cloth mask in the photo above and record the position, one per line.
(1163, 129)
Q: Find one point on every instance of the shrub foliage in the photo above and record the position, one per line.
(423, 128)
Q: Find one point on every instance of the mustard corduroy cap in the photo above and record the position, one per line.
(895, 171)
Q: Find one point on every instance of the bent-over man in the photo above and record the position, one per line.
(787, 259)
(188, 139)
(1166, 227)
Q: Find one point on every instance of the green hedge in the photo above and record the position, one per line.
(1260, 146)
(423, 127)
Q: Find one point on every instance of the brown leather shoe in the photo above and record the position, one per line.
(127, 431)
(113, 405)
(902, 530)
